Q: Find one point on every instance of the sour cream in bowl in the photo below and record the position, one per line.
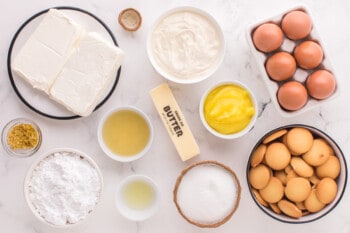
(186, 45)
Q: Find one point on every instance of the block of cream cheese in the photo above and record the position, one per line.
(174, 121)
(47, 49)
(87, 75)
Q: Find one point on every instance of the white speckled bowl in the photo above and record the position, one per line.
(28, 178)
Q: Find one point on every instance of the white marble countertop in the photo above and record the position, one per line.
(162, 162)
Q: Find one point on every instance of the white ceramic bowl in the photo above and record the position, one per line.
(208, 72)
(234, 135)
(29, 177)
(122, 158)
(132, 213)
(341, 180)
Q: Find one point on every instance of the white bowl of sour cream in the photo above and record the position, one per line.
(186, 45)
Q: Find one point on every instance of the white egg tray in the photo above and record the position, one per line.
(300, 74)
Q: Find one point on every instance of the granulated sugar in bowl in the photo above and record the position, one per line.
(63, 187)
(207, 194)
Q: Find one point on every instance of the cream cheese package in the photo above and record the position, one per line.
(73, 66)
(88, 72)
(47, 50)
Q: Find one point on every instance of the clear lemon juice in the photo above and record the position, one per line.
(138, 195)
(126, 132)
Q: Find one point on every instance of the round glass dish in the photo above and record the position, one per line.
(21, 137)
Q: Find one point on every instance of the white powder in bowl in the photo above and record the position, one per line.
(207, 194)
(64, 188)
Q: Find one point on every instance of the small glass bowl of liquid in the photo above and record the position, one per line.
(137, 197)
(125, 134)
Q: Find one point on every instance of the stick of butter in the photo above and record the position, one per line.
(174, 121)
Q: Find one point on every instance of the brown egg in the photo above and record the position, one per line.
(281, 66)
(321, 84)
(268, 37)
(277, 156)
(308, 54)
(292, 95)
(296, 25)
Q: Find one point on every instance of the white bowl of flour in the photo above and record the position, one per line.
(63, 187)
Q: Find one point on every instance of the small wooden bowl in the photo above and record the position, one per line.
(130, 19)
(221, 221)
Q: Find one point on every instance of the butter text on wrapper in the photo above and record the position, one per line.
(173, 120)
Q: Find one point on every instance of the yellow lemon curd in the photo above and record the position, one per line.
(228, 109)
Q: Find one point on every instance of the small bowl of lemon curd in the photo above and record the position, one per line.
(125, 134)
(228, 109)
(137, 197)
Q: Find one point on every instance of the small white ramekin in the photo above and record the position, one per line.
(133, 214)
(118, 157)
(233, 135)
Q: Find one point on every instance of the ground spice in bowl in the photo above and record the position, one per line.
(21, 137)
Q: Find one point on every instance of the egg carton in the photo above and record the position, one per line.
(300, 74)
